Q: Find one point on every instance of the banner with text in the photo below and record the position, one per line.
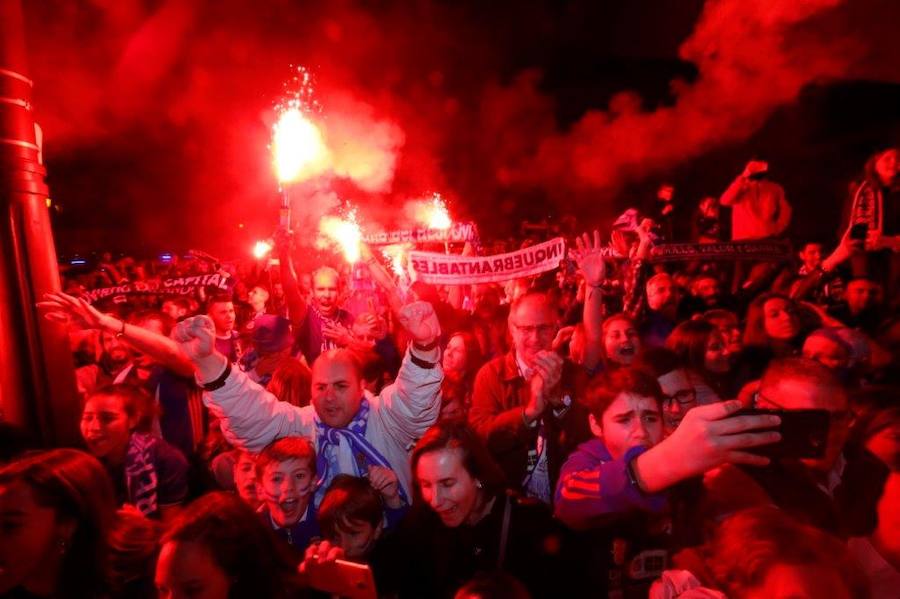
(170, 286)
(458, 233)
(763, 251)
(443, 269)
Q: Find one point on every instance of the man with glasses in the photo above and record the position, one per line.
(837, 492)
(678, 391)
(524, 403)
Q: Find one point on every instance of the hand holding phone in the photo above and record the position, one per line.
(804, 433)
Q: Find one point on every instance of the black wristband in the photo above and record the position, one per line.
(428, 347)
(219, 382)
(420, 362)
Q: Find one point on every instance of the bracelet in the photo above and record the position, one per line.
(428, 347)
(629, 470)
(121, 332)
(219, 382)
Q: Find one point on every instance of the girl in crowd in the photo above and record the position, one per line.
(218, 548)
(56, 509)
(772, 330)
(147, 472)
(621, 342)
(701, 348)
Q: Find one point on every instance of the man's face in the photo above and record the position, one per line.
(245, 479)
(173, 310)
(802, 394)
(660, 293)
(286, 488)
(811, 256)
(826, 352)
(142, 360)
(222, 314)
(862, 295)
(629, 421)
(325, 292)
(680, 396)
(487, 301)
(718, 356)
(621, 342)
(258, 298)
(336, 390)
(532, 326)
(357, 539)
(114, 348)
(707, 289)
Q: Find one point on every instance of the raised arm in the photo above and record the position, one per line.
(296, 305)
(382, 278)
(251, 416)
(590, 262)
(411, 404)
(62, 307)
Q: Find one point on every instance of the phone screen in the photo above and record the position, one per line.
(804, 433)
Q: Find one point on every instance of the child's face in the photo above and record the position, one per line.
(286, 488)
(357, 540)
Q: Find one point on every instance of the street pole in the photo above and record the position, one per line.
(37, 383)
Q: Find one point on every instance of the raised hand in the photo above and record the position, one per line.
(544, 383)
(196, 336)
(385, 481)
(708, 437)
(62, 307)
(420, 321)
(338, 333)
(589, 257)
(319, 553)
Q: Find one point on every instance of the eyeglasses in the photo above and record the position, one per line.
(763, 402)
(541, 330)
(684, 397)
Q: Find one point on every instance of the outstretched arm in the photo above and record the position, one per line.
(63, 307)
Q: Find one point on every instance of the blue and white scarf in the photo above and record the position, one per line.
(330, 462)
(141, 479)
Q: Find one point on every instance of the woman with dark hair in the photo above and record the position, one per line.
(147, 472)
(56, 509)
(219, 548)
(702, 350)
(465, 522)
(462, 358)
(775, 328)
(875, 215)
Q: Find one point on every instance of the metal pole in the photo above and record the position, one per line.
(37, 384)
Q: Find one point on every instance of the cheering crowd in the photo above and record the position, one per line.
(618, 427)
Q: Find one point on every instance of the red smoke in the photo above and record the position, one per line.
(413, 99)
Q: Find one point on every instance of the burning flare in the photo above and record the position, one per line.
(345, 233)
(261, 249)
(299, 147)
(438, 216)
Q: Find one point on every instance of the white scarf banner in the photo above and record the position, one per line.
(448, 269)
(458, 233)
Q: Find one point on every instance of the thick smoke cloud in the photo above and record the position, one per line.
(417, 98)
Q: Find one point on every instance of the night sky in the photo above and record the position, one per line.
(157, 114)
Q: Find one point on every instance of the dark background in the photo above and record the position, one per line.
(156, 114)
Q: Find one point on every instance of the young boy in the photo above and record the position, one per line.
(353, 515)
(286, 479)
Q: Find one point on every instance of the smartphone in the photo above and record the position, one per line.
(859, 232)
(343, 579)
(804, 433)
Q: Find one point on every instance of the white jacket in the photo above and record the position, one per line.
(251, 417)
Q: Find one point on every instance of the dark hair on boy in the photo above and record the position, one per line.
(658, 361)
(284, 449)
(349, 500)
(603, 390)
